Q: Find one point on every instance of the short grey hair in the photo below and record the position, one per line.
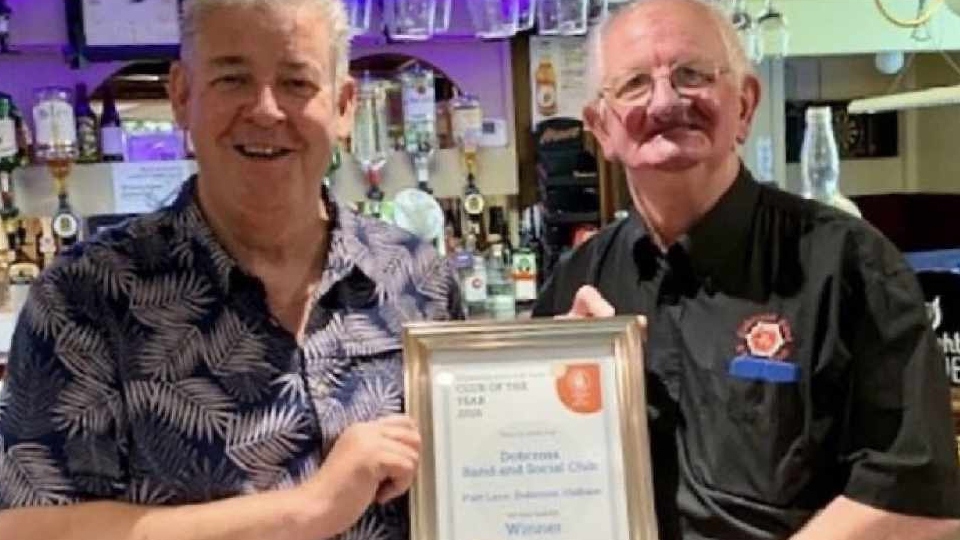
(333, 11)
(736, 55)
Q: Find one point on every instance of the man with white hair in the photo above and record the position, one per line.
(794, 387)
(229, 367)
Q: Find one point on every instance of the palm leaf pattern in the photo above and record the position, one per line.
(31, 477)
(196, 406)
(140, 371)
(171, 353)
(261, 441)
(235, 355)
(170, 300)
(87, 406)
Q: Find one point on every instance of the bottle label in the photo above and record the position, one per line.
(55, 123)
(23, 273)
(87, 138)
(473, 204)
(66, 226)
(8, 138)
(475, 288)
(525, 276)
(419, 112)
(547, 100)
(112, 139)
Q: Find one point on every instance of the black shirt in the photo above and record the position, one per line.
(789, 360)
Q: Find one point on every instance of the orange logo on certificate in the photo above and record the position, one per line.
(578, 386)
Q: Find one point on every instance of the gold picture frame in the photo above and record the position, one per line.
(557, 357)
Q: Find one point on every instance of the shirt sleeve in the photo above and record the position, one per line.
(897, 438)
(61, 403)
(442, 290)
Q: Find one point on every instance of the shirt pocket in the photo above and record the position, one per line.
(744, 436)
(354, 371)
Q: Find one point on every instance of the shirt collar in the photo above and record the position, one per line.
(717, 244)
(349, 245)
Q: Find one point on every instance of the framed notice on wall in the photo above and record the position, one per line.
(104, 30)
(558, 77)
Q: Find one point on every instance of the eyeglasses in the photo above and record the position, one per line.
(636, 89)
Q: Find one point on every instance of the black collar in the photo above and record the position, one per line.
(717, 246)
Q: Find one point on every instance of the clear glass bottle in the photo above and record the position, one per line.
(472, 271)
(420, 119)
(88, 135)
(370, 143)
(820, 161)
(501, 299)
(56, 136)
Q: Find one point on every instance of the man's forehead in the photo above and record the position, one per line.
(292, 38)
(679, 27)
(239, 25)
(291, 63)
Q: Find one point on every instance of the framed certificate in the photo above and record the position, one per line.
(530, 429)
(106, 30)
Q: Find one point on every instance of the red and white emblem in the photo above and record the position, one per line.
(765, 336)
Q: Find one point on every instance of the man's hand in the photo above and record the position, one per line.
(588, 303)
(371, 461)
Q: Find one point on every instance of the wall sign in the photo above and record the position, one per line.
(105, 30)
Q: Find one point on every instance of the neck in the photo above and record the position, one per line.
(265, 238)
(671, 203)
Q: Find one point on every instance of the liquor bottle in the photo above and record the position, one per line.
(11, 155)
(524, 262)
(370, 143)
(112, 137)
(501, 303)
(420, 120)
(467, 120)
(471, 269)
(23, 270)
(56, 125)
(88, 135)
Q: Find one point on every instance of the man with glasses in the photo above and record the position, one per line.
(794, 387)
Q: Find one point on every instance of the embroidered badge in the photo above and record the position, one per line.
(765, 346)
(766, 336)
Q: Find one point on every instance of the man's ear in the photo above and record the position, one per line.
(178, 90)
(595, 117)
(346, 107)
(749, 100)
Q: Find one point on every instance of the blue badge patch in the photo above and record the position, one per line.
(764, 369)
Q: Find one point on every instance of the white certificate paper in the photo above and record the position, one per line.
(131, 22)
(143, 187)
(528, 449)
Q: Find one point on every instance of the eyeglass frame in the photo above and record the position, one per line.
(711, 76)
